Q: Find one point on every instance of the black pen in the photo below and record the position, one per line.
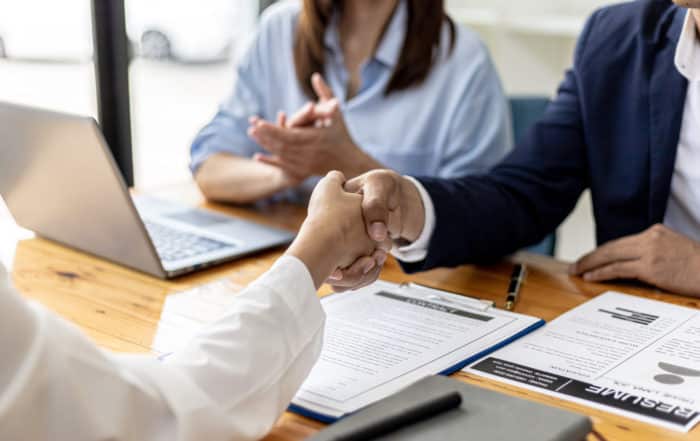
(420, 412)
(516, 280)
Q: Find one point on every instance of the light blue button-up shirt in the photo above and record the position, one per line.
(457, 122)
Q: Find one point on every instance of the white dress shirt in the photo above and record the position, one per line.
(683, 210)
(231, 382)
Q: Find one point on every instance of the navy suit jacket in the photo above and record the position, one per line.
(613, 127)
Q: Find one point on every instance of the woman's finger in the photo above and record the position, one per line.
(303, 117)
(270, 160)
(321, 88)
(281, 119)
(281, 134)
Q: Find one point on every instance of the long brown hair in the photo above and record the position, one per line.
(420, 47)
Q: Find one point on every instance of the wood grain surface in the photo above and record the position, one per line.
(121, 309)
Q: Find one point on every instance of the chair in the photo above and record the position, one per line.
(525, 111)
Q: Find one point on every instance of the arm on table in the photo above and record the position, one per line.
(222, 152)
(228, 178)
(231, 381)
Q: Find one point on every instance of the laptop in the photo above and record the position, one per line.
(59, 179)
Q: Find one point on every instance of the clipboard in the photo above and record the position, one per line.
(325, 398)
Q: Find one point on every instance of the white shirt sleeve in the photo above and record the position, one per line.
(231, 382)
(416, 251)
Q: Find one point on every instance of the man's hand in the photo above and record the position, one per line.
(313, 141)
(658, 256)
(333, 234)
(392, 209)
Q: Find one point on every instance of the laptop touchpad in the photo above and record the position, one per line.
(200, 218)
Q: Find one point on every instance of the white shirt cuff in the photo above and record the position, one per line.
(418, 250)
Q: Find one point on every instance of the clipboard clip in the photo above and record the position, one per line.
(465, 301)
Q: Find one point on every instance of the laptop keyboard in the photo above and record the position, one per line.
(173, 244)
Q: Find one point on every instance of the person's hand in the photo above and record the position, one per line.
(333, 234)
(392, 209)
(315, 114)
(658, 256)
(314, 141)
(284, 178)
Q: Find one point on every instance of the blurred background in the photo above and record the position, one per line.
(182, 67)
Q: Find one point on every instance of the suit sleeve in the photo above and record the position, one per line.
(523, 199)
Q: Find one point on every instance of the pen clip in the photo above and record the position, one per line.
(464, 301)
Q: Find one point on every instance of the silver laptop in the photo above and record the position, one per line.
(60, 180)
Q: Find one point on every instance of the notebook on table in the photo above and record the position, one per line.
(484, 415)
(384, 337)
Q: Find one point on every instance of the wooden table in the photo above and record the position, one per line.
(120, 309)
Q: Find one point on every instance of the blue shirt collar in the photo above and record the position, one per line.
(389, 49)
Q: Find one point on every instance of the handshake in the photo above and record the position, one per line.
(352, 225)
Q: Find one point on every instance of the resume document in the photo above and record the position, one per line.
(628, 355)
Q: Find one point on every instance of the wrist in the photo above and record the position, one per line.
(281, 180)
(412, 211)
(276, 177)
(359, 162)
(318, 249)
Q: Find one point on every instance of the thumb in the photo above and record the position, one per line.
(328, 189)
(380, 198)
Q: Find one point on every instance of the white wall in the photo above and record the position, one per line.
(532, 43)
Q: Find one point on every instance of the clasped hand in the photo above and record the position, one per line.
(392, 212)
(334, 234)
(657, 256)
(314, 141)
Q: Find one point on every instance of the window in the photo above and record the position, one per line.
(46, 54)
(181, 71)
(531, 41)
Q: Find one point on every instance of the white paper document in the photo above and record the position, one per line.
(385, 337)
(624, 354)
(185, 313)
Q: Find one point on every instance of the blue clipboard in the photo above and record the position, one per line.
(328, 419)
